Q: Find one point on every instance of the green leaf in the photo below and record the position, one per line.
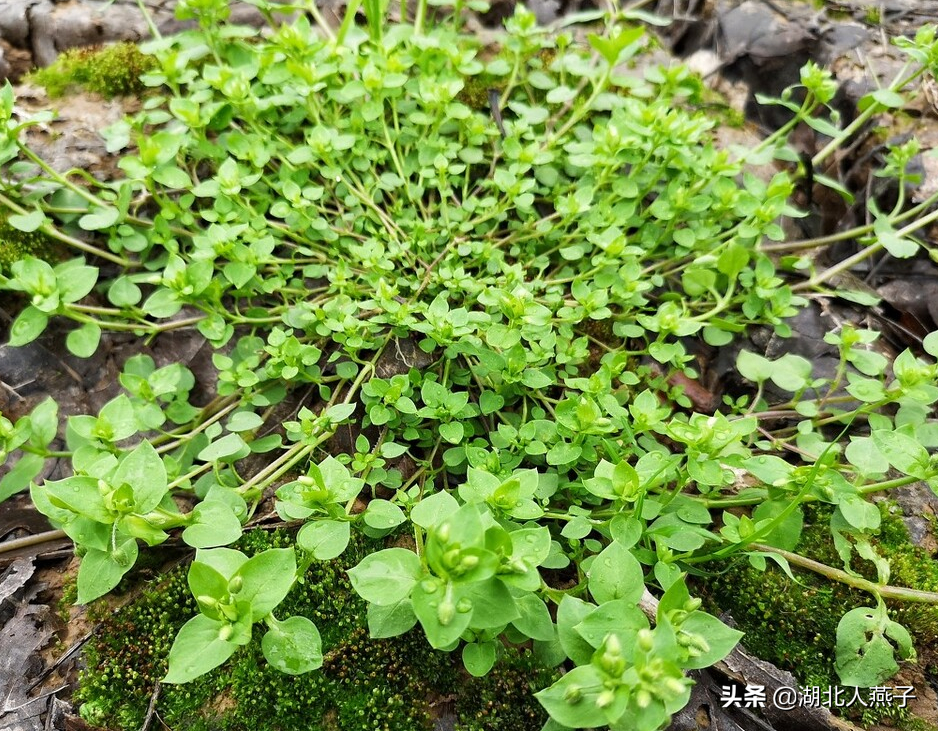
(616, 617)
(28, 326)
(268, 578)
(79, 494)
(206, 581)
(433, 509)
(172, 177)
(244, 421)
(435, 605)
(391, 620)
(383, 515)
(616, 574)
(535, 620)
(570, 612)
(478, 657)
(903, 452)
(225, 561)
(493, 606)
(101, 571)
(99, 219)
(293, 646)
(124, 293)
(27, 222)
(787, 533)
(386, 577)
(536, 379)
(865, 657)
(75, 280)
(215, 524)
(144, 471)
(83, 342)
(611, 48)
(753, 367)
(44, 422)
(197, 649)
(571, 701)
(229, 448)
(325, 539)
(720, 639)
(20, 475)
(452, 432)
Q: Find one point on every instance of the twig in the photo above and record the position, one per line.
(151, 709)
(34, 540)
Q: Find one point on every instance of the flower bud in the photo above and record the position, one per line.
(225, 632)
(673, 686)
(236, 584)
(573, 694)
(643, 698)
(645, 640)
(445, 612)
(692, 605)
(468, 563)
(606, 698)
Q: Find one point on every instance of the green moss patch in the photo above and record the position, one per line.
(110, 71)
(794, 625)
(399, 684)
(16, 244)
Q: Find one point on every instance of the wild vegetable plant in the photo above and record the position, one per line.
(493, 267)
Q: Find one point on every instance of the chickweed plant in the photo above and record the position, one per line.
(552, 234)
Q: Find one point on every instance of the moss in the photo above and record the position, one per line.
(794, 626)
(364, 684)
(106, 70)
(16, 244)
(873, 16)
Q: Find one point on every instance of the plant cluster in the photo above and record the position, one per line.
(387, 685)
(313, 202)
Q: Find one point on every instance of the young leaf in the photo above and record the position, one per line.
(101, 571)
(478, 657)
(267, 577)
(391, 620)
(214, 525)
(293, 646)
(387, 576)
(325, 539)
(83, 342)
(616, 574)
(197, 649)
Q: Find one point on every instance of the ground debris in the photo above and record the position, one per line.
(24, 631)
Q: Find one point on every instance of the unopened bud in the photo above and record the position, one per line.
(643, 698)
(645, 639)
(236, 584)
(225, 632)
(573, 694)
(469, 562)
(445, 612)
(673, 686)
(606, 698)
